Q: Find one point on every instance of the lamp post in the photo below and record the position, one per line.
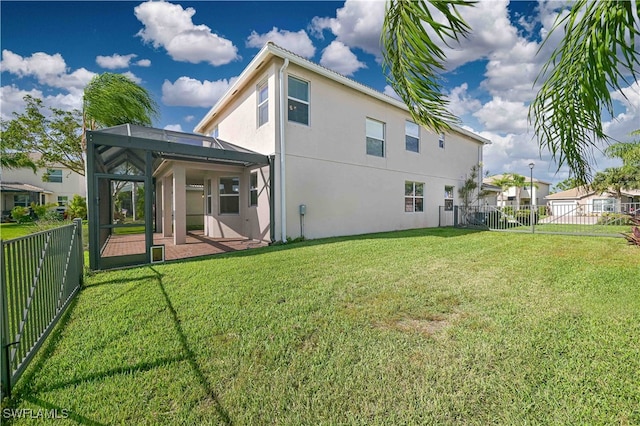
(531, 215)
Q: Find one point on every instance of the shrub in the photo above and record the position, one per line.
(508, 210)
(43, 211)
(614, 219)
(524, 217)
(21, 214)
(77, 208)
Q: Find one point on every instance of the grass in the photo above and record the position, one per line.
(436, 326)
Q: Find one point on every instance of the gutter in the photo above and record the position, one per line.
(283, 187)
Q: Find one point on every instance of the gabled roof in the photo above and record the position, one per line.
(272, 50)
(573, 193)
(490, 179)
(21, 187)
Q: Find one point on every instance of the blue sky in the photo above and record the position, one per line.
(187, 53)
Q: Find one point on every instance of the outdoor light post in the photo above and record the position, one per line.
(531, 215)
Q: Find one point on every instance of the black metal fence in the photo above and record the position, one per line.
(556, 219)
(41, 273)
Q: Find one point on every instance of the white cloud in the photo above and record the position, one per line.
(189, 118)
(115, 61)
(503, 116)
(170, 26)
(340, 58)
(143, 63)
(174, 127)
(460, 102)
(12, 100)
(298, 42)
(132, 77)
(47, 69)
(186, 91)
(358, 24)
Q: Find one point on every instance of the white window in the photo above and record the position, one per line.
(263, 104)
(253, 189)
(412, 136)
(375, 138)
(413, 196)
(441, 141)
(21, 200)
(54, 175)
(298, 96)
(229, 195)
(604, 205)
(448, 197)
(63, 201)
(209, 197)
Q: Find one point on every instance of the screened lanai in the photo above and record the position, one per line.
(150, 188)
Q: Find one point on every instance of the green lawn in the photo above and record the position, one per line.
(438, 326)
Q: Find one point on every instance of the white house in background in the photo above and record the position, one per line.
(584, 201)
(348, 159)
(21, 187)
(528, 195)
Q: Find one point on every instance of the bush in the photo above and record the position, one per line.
(614, 219)
(21, 214)
(524, 217)
(508, 210)
(77, 208)
(43, 211)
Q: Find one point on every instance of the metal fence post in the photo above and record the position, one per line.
(80, 254)
(4, 329)
(455, 216)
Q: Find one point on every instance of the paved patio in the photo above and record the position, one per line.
(196, 245)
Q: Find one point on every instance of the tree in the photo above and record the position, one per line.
(627, 176)
(50, 132)
(60, 136)
(504, 182)
(15, 160)
(597, 53)
(519, 182)
(568, 183)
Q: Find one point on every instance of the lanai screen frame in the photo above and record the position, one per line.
(156, 144)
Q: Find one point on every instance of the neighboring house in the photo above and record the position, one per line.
(509, 197)
(348, 159)
(584, 201)
(21, 187)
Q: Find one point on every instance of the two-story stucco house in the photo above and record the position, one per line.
(348, 159)
(21, 187)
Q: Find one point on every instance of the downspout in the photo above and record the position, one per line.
(283, 187)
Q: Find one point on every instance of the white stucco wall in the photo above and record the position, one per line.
(327, 168)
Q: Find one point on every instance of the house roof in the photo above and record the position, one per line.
(573, 193)
(272, 50)
(490, 179)
(21, 187)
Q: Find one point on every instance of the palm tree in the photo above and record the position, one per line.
(113, 99)
(519, 182)
(504, 182)
(596, 55)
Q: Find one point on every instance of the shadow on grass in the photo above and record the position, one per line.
(28, 392)
(25, 390)
(191, 357)
(448, 232)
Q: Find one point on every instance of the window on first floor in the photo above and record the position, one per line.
(21, 200)
(413, 196)
(441, 141)
(63, 201)
(54, 175)
(448, 197)
(253, 189)
(209, 206)
(604, 205)
(375, 137)
(229, 195)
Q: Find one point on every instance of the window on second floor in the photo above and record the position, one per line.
(441, 141)
(54, 175)
(298, 100)
(263, 104)
(375, 138)
(412, 136)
